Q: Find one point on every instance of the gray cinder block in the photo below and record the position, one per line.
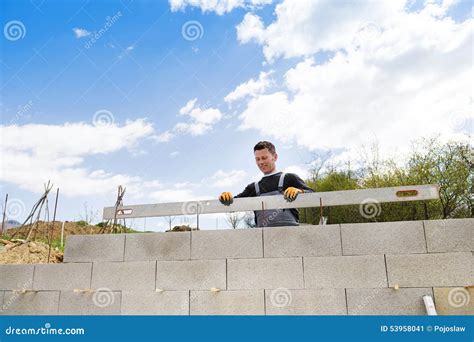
(158, 246)
(2, 294)
(89, 303)
(16, 277)
(383, 238)
(302, 241)
(268, 273)
(86, 248)
(229, 243)
(191, 275)
(430, 270)
(31, 303)
(155, 303)
(305, 302)
(450, 235)
(62, 276)
(345, 271)
(136, 276)
(404, 301)
(240, 302)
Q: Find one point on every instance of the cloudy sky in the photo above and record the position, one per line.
(168, 98)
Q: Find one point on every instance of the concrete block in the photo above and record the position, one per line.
(191, 275)
(305, 302)
(16, 277)
(2, 293)
(454, 300)
(136, 276)
(345, 272)
(155, 303)
(271, 273)
(89, 303)
(383, 238)
(229, 243)
(31, 303)
(86, 248)
(281, 242)
(240, 302)
(381, 301)
(158, 246)
(450, 235)
(430, 270)
(62, 276)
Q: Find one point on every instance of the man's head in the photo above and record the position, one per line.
(265, 156)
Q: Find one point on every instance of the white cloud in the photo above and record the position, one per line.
(226, 179)
(394, 75)
(303, 172)
(218, 6)
(251, 29)
(163, 137)
(251, 88)
(33, 154)
(80, 32)
(202, 119)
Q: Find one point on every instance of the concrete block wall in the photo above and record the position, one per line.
(348, 269)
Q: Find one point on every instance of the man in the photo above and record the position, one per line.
(272, 183)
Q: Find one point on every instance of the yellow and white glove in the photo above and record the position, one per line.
(291, 193)
(226, 198)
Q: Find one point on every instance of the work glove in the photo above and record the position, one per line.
(291, 193)
(226, 198)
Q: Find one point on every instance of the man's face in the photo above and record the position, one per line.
(265, 160)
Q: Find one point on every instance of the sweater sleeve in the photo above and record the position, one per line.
(249, 191)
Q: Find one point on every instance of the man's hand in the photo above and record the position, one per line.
(291, 193)
(226, 198)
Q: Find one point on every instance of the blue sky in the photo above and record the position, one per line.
(149, 106)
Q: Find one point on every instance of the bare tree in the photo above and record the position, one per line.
(169, 220)
(234, 219)
(89, 215)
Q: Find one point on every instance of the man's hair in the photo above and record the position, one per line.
(265, 144)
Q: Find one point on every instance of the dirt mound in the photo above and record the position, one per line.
(43, 230)
(28, 253)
